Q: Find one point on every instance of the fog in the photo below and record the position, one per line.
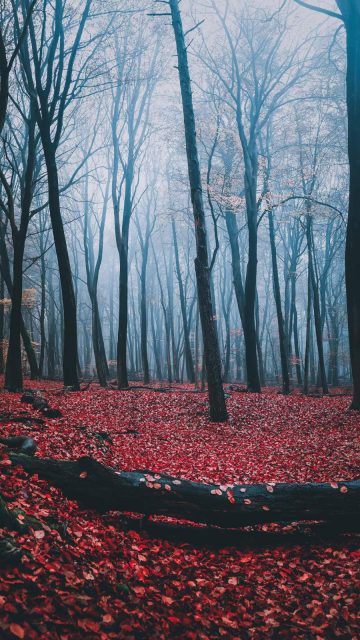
(94, 182)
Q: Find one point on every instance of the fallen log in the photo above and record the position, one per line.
(99, 487)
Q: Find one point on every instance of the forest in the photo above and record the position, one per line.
(179, 319)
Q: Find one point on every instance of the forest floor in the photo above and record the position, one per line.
(86, 576)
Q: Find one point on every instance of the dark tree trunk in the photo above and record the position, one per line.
(99, 487)
(157, 348)
(13, 371)
(190, 372)
(279, 313)
(5, 270)
(166, 323)
(51, 342)
(307, 337)
(143, 313)
(98, 343)
(259, 343)
(211, 346)
(250, 336)
(352, 255)
(42, 308)
(295, 329)
(233, 232)
(111, 320)
(4, 81)
(316, 302)
(122, 373)
(70, 353)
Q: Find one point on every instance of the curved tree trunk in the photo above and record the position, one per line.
(70, 353)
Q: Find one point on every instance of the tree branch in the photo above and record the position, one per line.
(314, 7)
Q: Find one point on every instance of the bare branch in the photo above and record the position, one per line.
(315, 7)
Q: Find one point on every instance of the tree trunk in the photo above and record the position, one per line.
(279, 313)
(315, 300)
(352, 253)
(156, 346)
(5, 271)
(295, 329)
(51, 348)
(98, 342)
(307, 337)
(252, 367)
(190, 372)
(70, 355)
(211, 346)
(42, 308)
(122, 374)
(143, 316)
(99, 487)
(13, 371)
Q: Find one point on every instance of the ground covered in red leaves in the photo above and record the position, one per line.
(84, 576)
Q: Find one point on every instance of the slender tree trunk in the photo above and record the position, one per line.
(187, 348)
(295, 330)
(157, 350)
(279, 313)
(143, 315)
(233, 233)
(13, 371)
(5, 270)
(51, 342)
(316, 303)
(308, 337)
(111, 321)
(70, 353)
(250, 336)
(258, 343)
(98, 342)
(122, 374)
(211, 346)
(42, 312)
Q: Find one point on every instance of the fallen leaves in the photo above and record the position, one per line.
(17, 631)
(85, 578)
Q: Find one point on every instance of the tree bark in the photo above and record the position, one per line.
(70, 353)
(280, 317)
(99, 487)
(211, 346)
(190, 371)
(13, 370)
(352, 253)
(315, 299)
(122, 373)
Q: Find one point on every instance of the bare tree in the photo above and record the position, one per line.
(349, 14)
(211, 347)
